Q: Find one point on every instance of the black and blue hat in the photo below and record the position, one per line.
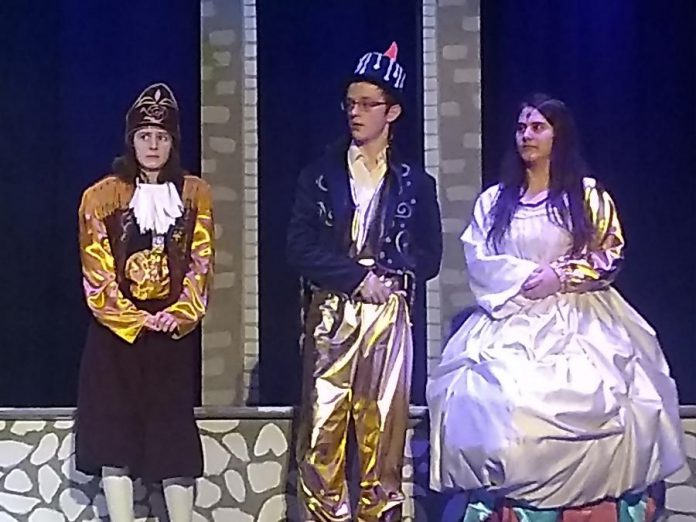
(383, 70)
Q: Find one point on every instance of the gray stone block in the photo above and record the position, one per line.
(222, 38)
(215, 114)
(226, 87)
(222, 58)
(208, 9)
(453, 166)
(450, 108)
(472, 140)
(222, 145)
(462, 193)
(455, 52)
(471, 23)
(467, 75)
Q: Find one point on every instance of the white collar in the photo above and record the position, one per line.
(156, 206)
(355, 154)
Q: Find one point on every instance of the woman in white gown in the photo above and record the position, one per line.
(553, 401)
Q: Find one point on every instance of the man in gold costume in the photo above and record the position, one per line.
(365, 228)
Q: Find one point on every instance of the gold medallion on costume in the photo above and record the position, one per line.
(147, 272)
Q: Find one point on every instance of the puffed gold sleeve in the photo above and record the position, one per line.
(191, 305)
(598, 264)
(108, 304)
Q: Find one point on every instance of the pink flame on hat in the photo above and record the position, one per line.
(392, 51)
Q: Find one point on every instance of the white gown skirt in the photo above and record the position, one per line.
(563, 404)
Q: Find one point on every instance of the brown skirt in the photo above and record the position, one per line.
(135, 405)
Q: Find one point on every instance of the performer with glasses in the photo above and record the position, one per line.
(364, 230)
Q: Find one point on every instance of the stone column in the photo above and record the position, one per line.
(229, 151)
(452, 126)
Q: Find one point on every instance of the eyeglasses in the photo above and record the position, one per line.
(348, 105)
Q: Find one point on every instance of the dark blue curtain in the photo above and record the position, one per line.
(70, 69)
(628, 70)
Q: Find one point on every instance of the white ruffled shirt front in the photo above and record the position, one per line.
(156, 207)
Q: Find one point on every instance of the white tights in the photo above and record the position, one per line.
(118, 490)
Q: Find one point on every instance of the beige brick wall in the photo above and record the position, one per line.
(229, 150)
(452, 114)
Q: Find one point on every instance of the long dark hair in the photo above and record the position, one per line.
(566, 201)
(126, 166)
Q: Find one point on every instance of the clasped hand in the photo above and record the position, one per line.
(374, 289)
(542, 283)
(162, 321)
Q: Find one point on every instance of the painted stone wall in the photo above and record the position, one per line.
(452, 120)
(248, 472)
(230, 165)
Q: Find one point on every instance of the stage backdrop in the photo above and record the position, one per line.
(70, 69)
(272, 78)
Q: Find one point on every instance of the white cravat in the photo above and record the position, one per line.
(156, 207)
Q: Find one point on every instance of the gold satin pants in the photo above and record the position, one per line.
(357, 363)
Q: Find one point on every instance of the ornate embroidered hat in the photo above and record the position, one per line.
(383, 70)
(156, 106)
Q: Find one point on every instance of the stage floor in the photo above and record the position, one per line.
(248, 471)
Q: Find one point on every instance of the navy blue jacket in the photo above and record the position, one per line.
(405, 237)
